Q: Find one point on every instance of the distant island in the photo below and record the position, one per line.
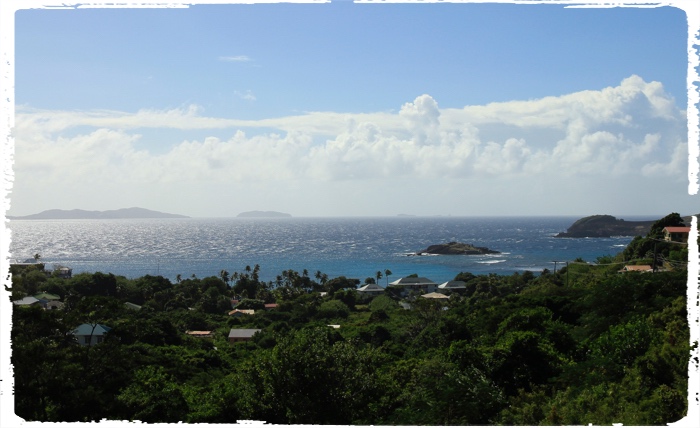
(456, 248)
(262, 214)
(123, 213)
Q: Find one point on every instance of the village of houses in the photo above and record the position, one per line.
(92, 334)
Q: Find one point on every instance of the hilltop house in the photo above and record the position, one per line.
(435, 295)
(90, 334)
(414, 284)
(241, 334)
(27, 301)
(200, 334)
(452, 286)
(676, 234)
(240, 312)
(47, 296)
(636, 268)
(370, 290)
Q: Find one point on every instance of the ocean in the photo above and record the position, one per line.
(351, 247)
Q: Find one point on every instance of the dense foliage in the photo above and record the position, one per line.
(582, 345)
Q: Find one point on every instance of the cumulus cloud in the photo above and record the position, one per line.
(629, 130)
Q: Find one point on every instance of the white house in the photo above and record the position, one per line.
(370, 290)
(415, 284)
(453, 285)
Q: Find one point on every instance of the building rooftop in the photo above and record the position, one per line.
(413, 280)
(242, 332)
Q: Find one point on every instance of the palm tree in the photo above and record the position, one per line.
(387, 272)
(178, 278)
(37, 256)
(379, 276)
(224, 275)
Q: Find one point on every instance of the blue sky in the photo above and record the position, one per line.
(353, 109)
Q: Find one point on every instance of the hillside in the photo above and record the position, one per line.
(603, 226)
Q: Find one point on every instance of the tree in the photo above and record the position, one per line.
(333, 309)
(224, 275)
(340, 283)
(657, 229)
(154, 396)
(387, 272)
(310, 377)
(378, 276)
(321, 277)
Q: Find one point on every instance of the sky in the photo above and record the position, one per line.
(343, 109)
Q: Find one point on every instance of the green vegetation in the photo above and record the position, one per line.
(582, 345)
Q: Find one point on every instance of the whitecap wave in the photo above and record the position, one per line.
(489, 262)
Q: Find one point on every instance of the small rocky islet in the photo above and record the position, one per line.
(456, 248)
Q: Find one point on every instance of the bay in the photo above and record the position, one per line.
(351, 247)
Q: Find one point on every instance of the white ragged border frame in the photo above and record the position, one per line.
(7, 100)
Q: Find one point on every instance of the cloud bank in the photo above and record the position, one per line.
(622, 134)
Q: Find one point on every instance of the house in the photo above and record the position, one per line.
(241, 334)
(200, 334)
(132, 306)
(676, 233)
(63, 272)
(370, 290)
(271, 306)
(90, 334)
(53, 305)
(27, 301)
(636, 268)
(453, 285)
(435, 296)
(415, 284)
(47, 296)
(241, 312)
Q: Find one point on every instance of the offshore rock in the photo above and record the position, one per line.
(456, 248)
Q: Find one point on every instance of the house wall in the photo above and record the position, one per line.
(238, 339)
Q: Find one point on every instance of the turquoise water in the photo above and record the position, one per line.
(353, 247)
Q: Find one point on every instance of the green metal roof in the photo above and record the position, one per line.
(47, 296)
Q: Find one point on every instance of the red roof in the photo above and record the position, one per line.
(677, 229)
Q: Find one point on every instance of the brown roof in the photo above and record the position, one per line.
(435, 296)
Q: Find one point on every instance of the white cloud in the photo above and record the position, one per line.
(247, 95)
(620, 133)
